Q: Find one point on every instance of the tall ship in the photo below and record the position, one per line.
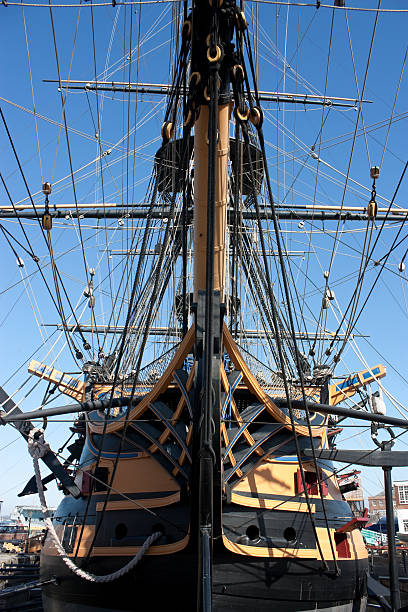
(195, 229)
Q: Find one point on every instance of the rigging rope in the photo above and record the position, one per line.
(36, 259)
(368, 258)
(359, 113)
(38, 448)
(32, 94)
(256, 112)
(131, 309)
(67, 141)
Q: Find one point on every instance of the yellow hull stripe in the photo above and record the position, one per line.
(270, 504)
(127, 504)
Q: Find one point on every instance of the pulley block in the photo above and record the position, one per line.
(167, 131)
(46, 189)
(372, 209)
(47, 221)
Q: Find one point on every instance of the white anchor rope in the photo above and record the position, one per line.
(37, 447)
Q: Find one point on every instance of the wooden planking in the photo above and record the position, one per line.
(272, 553)
(230, 453)
(177, 412)
(49, 549)
(270, 504)
(159, 388)
(234, 408)
(183, 454)
(139, 504)
(131, 551)
(143, 431)
(357, 548)
(257, 390)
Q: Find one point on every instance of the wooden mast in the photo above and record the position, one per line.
(201, 195)
(212, 35)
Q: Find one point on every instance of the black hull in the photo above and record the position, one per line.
(239, 584)
(259, 506)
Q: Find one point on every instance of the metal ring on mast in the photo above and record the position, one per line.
(216, 57)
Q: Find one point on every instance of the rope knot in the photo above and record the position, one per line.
(37, 446)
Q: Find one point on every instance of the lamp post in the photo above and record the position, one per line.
(29, 530)
(392, 553)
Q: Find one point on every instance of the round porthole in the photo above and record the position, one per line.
(253, 532)
(289, 534)
(121, 531)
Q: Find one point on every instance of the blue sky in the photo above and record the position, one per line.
(290, 132)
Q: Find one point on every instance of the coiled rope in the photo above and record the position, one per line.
(37, 447)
